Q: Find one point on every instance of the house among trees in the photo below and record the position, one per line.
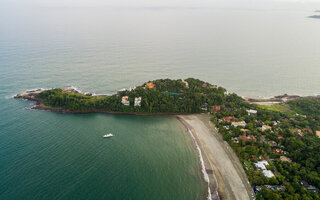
(265, 128)
(228, 119)
(137, 101)
(252, 112)
(186, 84)
(216, 108)
(236, 124)
(298, 131)
(150, 85)
(285, 159)
(318, 134)
(125, 101)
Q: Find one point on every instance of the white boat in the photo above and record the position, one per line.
(108, 135)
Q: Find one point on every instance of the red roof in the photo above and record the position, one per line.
(280, 137)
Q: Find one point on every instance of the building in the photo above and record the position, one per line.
(261, 157)
(204, 85)
(150, 85)
(216, 108)
(252, 112)
(272, 143)
(186, 84)
(278, 151)
(265, 128)
(137, 101)
(125, 101)
(247, 138)
(318, 134)
(298, 131)
(261, 164)
(244, 130)
(268, 173)
(228, 119)
(285, 159)
(236, 124)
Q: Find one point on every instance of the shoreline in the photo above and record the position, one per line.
(227, 178)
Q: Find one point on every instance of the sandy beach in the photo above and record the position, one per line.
(222, 165)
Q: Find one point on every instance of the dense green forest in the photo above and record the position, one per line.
(168, 96)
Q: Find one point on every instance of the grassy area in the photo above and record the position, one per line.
(277, 107)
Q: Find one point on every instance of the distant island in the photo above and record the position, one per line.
(315, 16)
(277, 140)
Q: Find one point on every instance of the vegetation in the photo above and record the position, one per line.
(168, 96)
(291, 134)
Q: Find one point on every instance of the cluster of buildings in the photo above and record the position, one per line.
(261, 165)
(125, 101)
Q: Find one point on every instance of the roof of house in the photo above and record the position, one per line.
(268, 173)
(318, 133)
(261, 164)
(285, 159)
(150, 85)
(242, 123)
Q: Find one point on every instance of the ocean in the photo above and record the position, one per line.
(255, 49)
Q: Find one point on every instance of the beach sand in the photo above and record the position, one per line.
(224, 169)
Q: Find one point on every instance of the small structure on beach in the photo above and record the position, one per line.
(125, 101)
(137, 101)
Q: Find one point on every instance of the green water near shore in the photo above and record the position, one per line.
(45, 155)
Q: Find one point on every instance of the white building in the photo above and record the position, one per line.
(252, 112)
(268, 173)
(262, 166)
(137, 101)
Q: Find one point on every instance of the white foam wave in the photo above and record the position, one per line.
(203, 168)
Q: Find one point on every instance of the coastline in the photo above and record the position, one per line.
(227, 179)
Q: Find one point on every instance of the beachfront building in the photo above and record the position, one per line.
(236, 124)
(265, 128)
(137, 101)
(252, 112)
(125, 101)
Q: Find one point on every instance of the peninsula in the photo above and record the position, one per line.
(252, 148)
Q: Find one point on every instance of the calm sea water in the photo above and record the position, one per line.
(254, 49)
